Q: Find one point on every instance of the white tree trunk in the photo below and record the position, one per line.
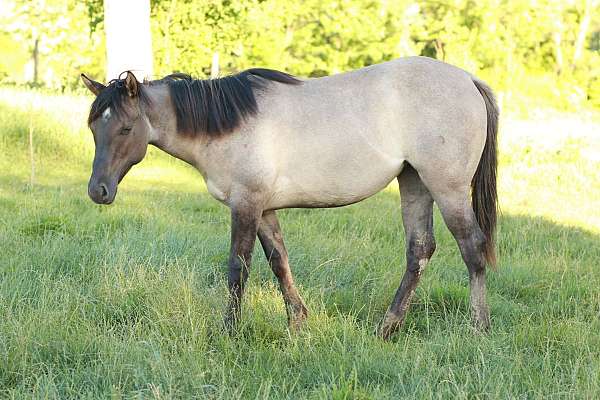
(583, 30)
(128, 38)
(214, 67)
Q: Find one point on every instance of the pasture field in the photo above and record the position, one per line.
(126, 301)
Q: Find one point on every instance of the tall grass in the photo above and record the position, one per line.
(126, 301)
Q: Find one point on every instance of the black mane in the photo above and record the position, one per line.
(211, 106)
(215, 106)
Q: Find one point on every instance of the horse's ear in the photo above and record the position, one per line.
(131, 84)
(95, 87)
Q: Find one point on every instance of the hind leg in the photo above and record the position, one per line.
(417, 218)
(458, 214)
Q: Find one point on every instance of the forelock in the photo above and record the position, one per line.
(109, 102)
(114, 98)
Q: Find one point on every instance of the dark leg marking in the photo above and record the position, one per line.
(417, 218)
(460, 219)
(244, 226)
(271, 239)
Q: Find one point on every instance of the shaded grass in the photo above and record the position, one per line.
(127, 300)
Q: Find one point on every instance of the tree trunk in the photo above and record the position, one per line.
(36, 60)
(128, 38)
(214, 67)
(167, 38)
(583, 29)
(440, 53)
(558, 55)
(31, 152)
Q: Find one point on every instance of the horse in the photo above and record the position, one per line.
(264, 140)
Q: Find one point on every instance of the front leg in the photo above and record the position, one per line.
(271, 239)
(245, 219)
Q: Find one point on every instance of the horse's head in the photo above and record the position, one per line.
(121, 131)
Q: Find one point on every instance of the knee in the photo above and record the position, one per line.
(277, 260)
(479, 241)
(238, 270)
(475, 252)
(422, 246)
(420, 249)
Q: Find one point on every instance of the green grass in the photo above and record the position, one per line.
(127, 301)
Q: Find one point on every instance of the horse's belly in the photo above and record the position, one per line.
(334, 183)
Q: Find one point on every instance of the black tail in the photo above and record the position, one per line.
(483, 185)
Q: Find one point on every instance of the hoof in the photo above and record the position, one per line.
(388, 326)
(230, 324)
(482, 326)
(297, 315)
(481, 320)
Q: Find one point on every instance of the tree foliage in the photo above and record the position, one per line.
(58, 31)
(544, 47)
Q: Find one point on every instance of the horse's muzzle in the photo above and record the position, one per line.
(101, 193)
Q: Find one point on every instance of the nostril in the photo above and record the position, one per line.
(103, 191)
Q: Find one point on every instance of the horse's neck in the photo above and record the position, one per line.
(179, 146)
(164, 124)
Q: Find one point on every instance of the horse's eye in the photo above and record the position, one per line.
(125, 130)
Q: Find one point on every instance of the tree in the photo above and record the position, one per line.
(128, 38)
(49, 41)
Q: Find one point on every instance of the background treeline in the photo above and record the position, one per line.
(548, 50)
